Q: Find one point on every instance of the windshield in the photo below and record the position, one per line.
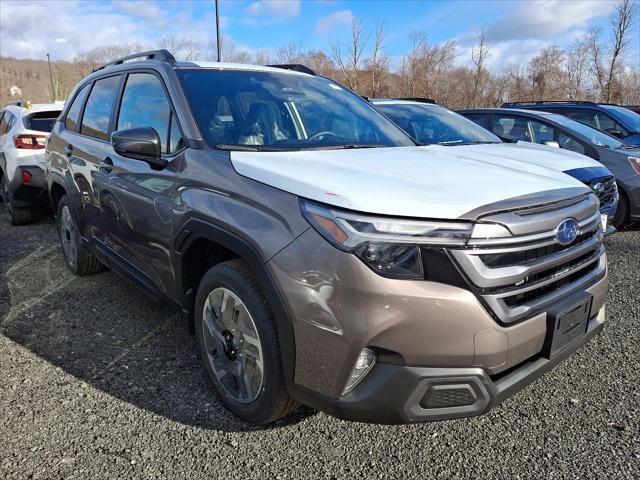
(630, 120)
(255, 110)
(433, 124)
(585, 132)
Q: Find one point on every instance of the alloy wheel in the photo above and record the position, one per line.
(233, 346)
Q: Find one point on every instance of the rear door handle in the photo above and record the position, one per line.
(106, 166)
(68, 150)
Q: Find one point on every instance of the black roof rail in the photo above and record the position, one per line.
(416, 99)
(296, 67)
(548, 102)
(161, 55)
(17, 103)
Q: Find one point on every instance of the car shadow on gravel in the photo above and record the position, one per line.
(106, 333)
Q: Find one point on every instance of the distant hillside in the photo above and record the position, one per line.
(31, 77)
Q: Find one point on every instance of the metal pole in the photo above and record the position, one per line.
(53, 91)
(218, 30)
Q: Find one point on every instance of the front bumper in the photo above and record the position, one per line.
(28, 194)
(396, 394)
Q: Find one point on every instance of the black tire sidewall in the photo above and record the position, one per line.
(621, 216)
(64, 201)
(259, 410)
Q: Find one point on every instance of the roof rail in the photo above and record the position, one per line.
(17, 103)
(547, 102)
(296, 67)
(416, 99)
(162, 55)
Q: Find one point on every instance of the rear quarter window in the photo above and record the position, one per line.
(41, 121)
(73, 115)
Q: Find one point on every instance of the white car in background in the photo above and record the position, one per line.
(24, 130)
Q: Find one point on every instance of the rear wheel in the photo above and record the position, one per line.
(15, 215)
(622, 213)
(76, 254)
(238, 342)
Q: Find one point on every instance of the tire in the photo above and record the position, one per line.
(15, 215)
(76, 254)
(622, 213)
(227, 284)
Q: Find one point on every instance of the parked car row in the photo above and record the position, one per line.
(384, 271)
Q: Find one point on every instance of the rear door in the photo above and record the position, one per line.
(137, 199)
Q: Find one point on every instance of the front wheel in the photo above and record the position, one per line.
(622, 213)
(238, 342)
(76, 254)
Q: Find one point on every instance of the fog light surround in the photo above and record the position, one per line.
(364, 363)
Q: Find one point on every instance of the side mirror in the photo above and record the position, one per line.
(551, 143)
(139, 143)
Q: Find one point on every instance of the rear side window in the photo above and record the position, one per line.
(97, 113)
(513, 128)
(145, 104)
(73, 115)
(41, 121)
(541, 132)
(478, 118)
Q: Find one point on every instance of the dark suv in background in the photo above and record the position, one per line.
(621, 122)
(516, 124)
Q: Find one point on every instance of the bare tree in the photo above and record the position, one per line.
(181, 47)
(379, 62)
(291, 52)
(479, 56)
(546, 73)
(348, 55)
(576, 69)
(607, 59)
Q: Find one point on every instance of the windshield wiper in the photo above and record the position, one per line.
(249, 148)
(454, 143)
(351, 146)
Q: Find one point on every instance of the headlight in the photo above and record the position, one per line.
(635, 164)
(389, 246)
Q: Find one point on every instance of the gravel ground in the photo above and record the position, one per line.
(96, 381)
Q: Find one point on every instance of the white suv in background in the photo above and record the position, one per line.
(24, 130)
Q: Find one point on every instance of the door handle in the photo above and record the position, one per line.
(68, 150)
(106, 166)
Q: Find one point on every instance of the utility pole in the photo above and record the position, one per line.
(218, 29)
(53, 91)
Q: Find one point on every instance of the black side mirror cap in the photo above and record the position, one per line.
(141, 143)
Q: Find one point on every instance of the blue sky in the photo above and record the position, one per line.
(516, 29)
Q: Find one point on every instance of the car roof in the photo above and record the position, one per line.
(238, 66)
(394, 101)
(35, 107)
(509, 110)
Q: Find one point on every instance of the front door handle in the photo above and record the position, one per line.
(68, 150)
(106, 166)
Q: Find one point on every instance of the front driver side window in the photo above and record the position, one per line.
(569, 143)
(512, 128)
(145, 104)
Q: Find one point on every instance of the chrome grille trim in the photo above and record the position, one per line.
(535, 270)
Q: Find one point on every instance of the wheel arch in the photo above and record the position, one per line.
(189, 242)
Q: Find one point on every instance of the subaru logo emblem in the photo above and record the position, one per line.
(598, 188)
(567, 231)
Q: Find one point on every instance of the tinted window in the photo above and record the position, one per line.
(95, 121)
(433, 124)
(10, 122)
(630, 120)
(73, 115)
(541, 132)
(569, 143)
(586, 133)
(175, 135)
(479, 118)
(283, 111)
(41, 121)
(145, 104)
(595, 119)
(513, 128)
(3, 122)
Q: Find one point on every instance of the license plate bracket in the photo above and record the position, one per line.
(567, 322)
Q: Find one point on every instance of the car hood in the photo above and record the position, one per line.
(425, 182)
(532, 153)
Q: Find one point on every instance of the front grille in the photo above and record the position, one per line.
(609, 194)
(518, 276)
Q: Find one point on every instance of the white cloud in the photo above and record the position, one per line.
(274, 10)
(330, 22)
(147, 10)
(546, 19)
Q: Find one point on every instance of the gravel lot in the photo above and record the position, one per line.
(96, 381)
